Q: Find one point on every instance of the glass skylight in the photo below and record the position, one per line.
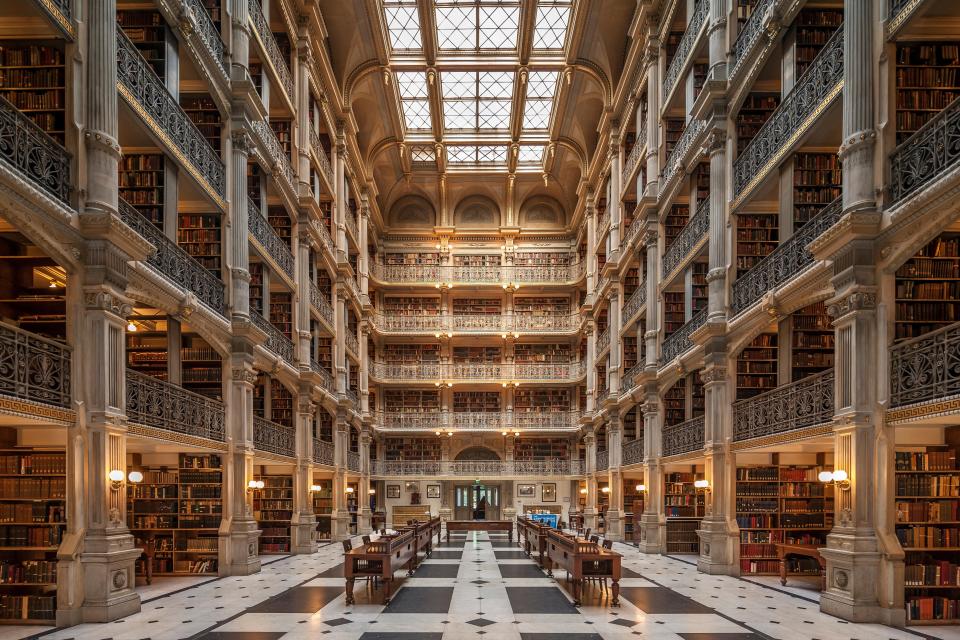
(477, 25)
(476, 99)
(412, 86)
(416, 114)
(480, 154)
(550, 29)
(530, 154)
(422, 153)
(403, 24)
(541, 90)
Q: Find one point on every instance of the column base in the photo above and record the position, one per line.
(303, 534)
(239, 553)
(614, 527)
(509, 513)
(653, 534)
(446, 513)
(719, 548)
(364, 521)
(340, 526)
(590, 518)
(853, 579)
(108, 565)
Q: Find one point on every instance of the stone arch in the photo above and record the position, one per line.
(413, 211)
(477, 453)
(477, 211)
(541, 211)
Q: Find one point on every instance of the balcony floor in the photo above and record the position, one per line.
(477, 583)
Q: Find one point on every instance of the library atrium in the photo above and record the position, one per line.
(433, 319)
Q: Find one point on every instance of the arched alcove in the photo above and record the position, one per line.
(477, 453)
(413, 212)
(477, 211)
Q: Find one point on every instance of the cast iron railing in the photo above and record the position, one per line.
(34, 368)
(789, 407)
(675, 160)
(353, 461)
(267, 237)
(271, 48)
(630, 164)
(927, 154)
(161, 404)
(276, 341)
(274, 438)
(477, 468)
(351, 223)
(685, 48)
(821, 81)
(326, 378)
(926, 367)
(321, 154)
(323, 452)
(636, 300)
(682, 248)
(140, 84)
(603, 340)
(603, 460)
(208, 34)
(633, 452)
(181, 268)
(351, 341)
(632, 232)
(496, 371)
(277, 154)
(630, 377)
(684, 437)
(786, 261)
(678, 342)
(320, 302)
(32, 153)
(468, 274)
(749, 35)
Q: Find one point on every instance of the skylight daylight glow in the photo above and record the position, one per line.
(464, 25)
(479, 100)
(550, 28)
(403, 24)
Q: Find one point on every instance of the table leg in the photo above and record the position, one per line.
(783, 571)
(350, 590)
(448, 534)
(387, 584)
(577, 590)
(616, 593)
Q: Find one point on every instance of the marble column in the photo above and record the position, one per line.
(591, 375)
(590, 509)
(340, 520)
(613, 199)
(363, 500)
(614, 309)
(652, 62)
(590, 217)
(615, 512)
(303, 526)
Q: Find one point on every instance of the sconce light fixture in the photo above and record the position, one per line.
(702, 485)
(116, 479)
(131, 327)
(372, 491)
(315, 488)
(254, 484)
(349, 489)
(583, 490)
(135, 477)
(605, 489)
(641, 488)
(516, 434)
(839, 478)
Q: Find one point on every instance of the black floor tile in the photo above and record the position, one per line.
(520, 571)
(510, 555)
(299, 600)
(242, 635)
(746, 635)
(447, 555)
(395, 635)
(421, 600)
(560, 636)
(629, 573)
(336, 571)
(429, 570)
(501, 544)
(661, 600)
(539, 600)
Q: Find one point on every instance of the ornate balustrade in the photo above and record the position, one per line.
(899, 12)
(633, 452)
(34, 368)
(276, 341)
(406, 421)
(684, 437)
(351, 395)
(603, 460)
(269, 44)
(634, 303)
(789, 407)
(61, 11)
(485, 421)
(353, 461)
(678, 342)
(276, 248)
(482, 371)
(32, 153)
(478, 323)
(319, 301)
(927, 154)
(142, 88)
(181, 268)
(926, 368)
(685, 48)
(326, 378)
(325, 238)
(471, 274)
(325, 167)
(750, 34)
(279, 157)
(478, 421)
(785, 262)
(632, 232)
(161, 404)
(630, 164)
(688, 241)
(603, 222)
(271, 437)
(351, 223)
(603, 340)
(546, 421)
(203, 27)
(674, 161)
(819, 85)
(477, 468)
(350, 340)
(323, 452)
(630, 377)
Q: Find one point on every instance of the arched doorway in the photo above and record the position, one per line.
(477, 454)
(477, 501)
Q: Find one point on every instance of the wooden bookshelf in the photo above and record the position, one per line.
(699, 77)
(26, 297)
(281, 404)
(671, 44)
(476, 401)
(629, 352)
(675, 403)
(407, 353)
(631, 281)
(476, 355)
(812, 341)
(701, 181)
(674, 223)
(541, 258)
(281, 312)
(179, 511)
(684, 507)
(744, 9)
(673, 312)
(541, 306)
(395, 258)
(259, 396)
(476, 306)
(417, 449)
(816, 183)
(201, 365)
(927, 81)
(200, 235)
(33, 519)
(33, 79)
(477, 260)
(254, 183)
(256, 287)
(273, 511)
(698, 286)
(256, 75)
(928, 528)
(928, 288)
(141, 184)
(147, 348)
(213, 10)
(757, 108)
(526, 353)
(757, 506)
(698, 405)
(323, 508)
(411, 306)
(280, 221)
(283, 130)
(541, 400)
(814, 28)
(203, 112)
(757, 235)
(672, 130)
(148, 32)
(757, 366)
(411, 400)
(541, 449)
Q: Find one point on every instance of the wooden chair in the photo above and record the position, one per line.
(608, 544)
(595, 539)
(366, 539)
(383, 532)
(347, 545)
(587, 533)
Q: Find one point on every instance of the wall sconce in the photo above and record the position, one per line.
(442, 334)
(839, 479)
(641, 488)
(443, 383)
(512, 383)
(503, 433)
(135, 477)
(583, 490)
(702, 485)
(116, 479)
(516, 434)
(254, 484)
(605, 490)
(349, 489)
(372, 492)
(315, 488)
(131, 327)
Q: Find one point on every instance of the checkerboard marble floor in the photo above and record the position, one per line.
(479, 585)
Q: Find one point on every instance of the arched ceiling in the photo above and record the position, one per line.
(476, 91)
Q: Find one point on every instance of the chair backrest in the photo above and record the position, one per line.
(608, 544)
(594, 538)
(587, 534)
(383, 532)
(366, 539)
(347, 545)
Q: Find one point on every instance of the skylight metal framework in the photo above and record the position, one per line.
(550, 28)
(477, 25)
(476, 154)
(414, 99)
(403, 24)
(479, 100)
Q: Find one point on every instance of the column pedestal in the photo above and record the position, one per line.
(340, 525)
(653, 534)
(853, 573)
(238, 548)
(614, 525)
(109, 560)
(590, 518)
(719, 547)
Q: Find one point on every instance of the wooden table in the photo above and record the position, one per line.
(583, 559)
(785, 551)
(423, 533)
(380, 559)
(480, 525)
(532, 536)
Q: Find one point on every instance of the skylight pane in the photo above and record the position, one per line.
(403, 25)
(460, 114)
(495, 84)
(412, 84)
(494, 114)
(530, 154)
(536, 113)
(459, 84)
(416, 114)
(422, 153)
(489, 154)
(456, 27)
(498, 27)
(550, 29)
(542, 84)
(458, 154)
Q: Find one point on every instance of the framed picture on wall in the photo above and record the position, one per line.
(433, 491)
(548, 492)
(393, 491)
(526, 490)
(411, 487)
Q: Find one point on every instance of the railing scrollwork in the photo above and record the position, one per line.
(265, 35)
(684, 437)
(927, 154)
(323, 452)
(34, 368)
(32, 153)
(682, 248)
(274, 438)
(805, 403)
(679, 342)
(926, 367)
(276, 341)
(273, 244)
(161, 404)
(685, 48)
